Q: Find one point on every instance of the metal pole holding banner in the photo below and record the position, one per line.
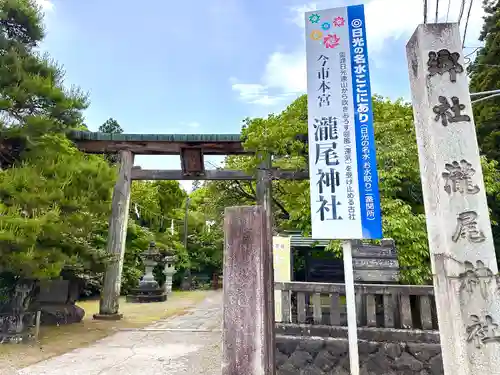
(352, 326)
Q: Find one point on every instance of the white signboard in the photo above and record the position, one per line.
(345, 200)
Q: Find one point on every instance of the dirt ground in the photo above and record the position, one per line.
(54, 341)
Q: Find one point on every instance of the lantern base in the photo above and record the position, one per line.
(145, 295)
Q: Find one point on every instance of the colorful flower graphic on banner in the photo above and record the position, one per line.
(316, 35)
(314, 18)
(331, 41)
(326, 26)
(338, 21)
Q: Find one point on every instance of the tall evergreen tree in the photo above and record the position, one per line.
(33, 100)
(111, 126)
(54, 200)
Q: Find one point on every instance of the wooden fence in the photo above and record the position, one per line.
(382, 306)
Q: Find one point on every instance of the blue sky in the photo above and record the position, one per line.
(201, 67)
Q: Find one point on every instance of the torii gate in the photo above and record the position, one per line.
(191, 149)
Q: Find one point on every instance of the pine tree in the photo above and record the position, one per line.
(111, 126)
(33, 100)
(54, 200)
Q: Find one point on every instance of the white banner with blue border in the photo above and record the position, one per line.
(345, 202)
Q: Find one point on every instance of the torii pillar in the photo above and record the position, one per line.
(117, 236)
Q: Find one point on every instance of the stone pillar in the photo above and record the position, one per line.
(458, 225)
(247, 345)
(117, 235)
(169, 272)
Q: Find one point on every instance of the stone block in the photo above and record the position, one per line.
(53, 292)
(287, 369)
(300, 359)
(61, 314)
(311, 370)
(407, 362)
(422, 351)
(316, 355)
(391, 350)
(325, 361)
(436, 365)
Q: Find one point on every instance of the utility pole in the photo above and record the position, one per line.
(186, 282)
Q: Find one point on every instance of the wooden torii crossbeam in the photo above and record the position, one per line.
(191, 147)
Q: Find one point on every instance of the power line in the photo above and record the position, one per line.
(486, 97)
(484, 92)
(425, 11)
(448, 11)
(489, 65)
(473, 52)
(467, 21)
(462, 8)
(467, 57)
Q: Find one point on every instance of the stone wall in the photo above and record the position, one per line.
(320, 355)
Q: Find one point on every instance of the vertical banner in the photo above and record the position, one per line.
(282, 269)
(345, 201)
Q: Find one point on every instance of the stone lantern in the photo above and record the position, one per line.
(148, 290)
(169, 271)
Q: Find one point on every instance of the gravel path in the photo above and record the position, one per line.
(187, 344)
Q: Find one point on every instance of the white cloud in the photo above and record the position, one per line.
(285, 73)
(45, 5)
(284, 77)
(298, 13)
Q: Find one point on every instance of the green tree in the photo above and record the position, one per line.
(484, 74)
(196, 185)
(111, 126)
(155, 203)
(33, 99)
(54, 199)
(205, 236)
(54, 210)
(397, 159)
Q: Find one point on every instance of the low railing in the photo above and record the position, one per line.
(382, 306)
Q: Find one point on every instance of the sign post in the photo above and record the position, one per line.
(352, 325)
(345, 200)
